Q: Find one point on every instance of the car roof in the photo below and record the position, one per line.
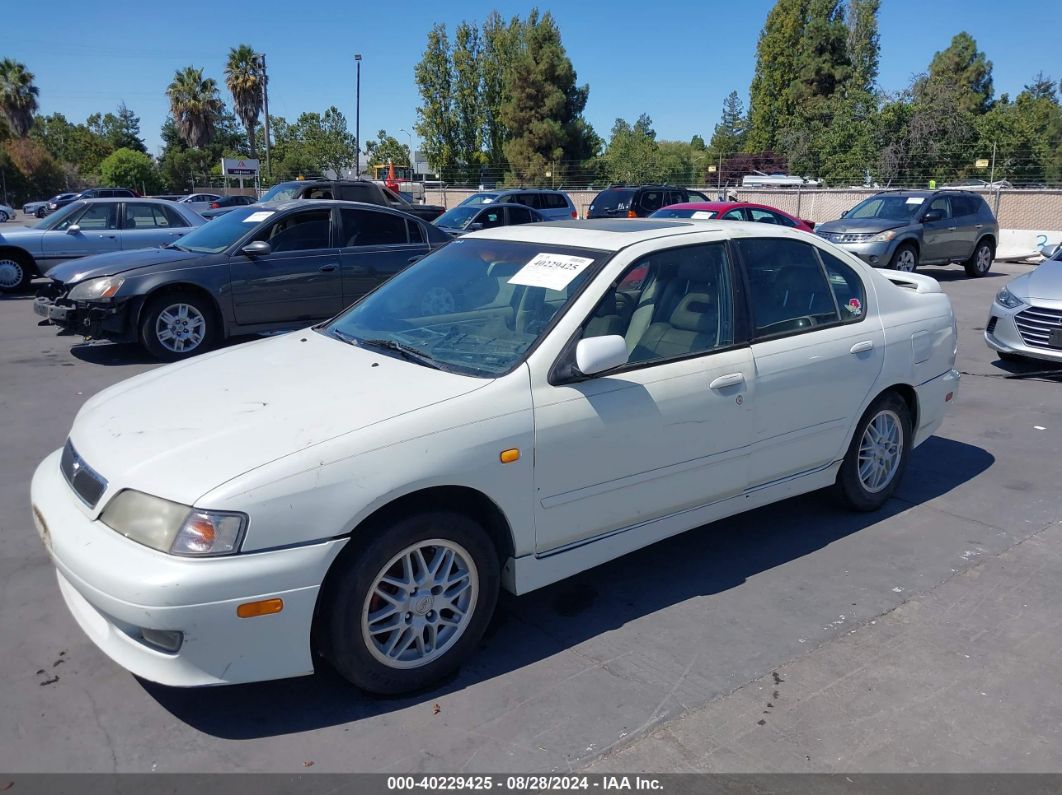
(613, 234)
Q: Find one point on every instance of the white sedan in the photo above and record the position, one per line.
(521, 405)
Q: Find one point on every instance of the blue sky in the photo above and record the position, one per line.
(674, 60)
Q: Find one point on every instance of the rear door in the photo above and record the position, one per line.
(149, 224)
(298, 281)
(968, 224)
(374, 246)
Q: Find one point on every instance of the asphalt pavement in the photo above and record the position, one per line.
(668, 658)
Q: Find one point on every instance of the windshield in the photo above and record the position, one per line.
(60, 215)
(281, 192)
(683, 212)
(223, 231)
(479, 198)
(612, 200)
(891, 208)
(457, 217)
(476, 306)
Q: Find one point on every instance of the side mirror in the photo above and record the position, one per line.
(843, 214)
(258, 248)
(932, 215)
(1050, 250)
(597, 354)
(73, 229)
(475, 227)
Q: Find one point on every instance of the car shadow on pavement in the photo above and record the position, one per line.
(957, 274)
(1029, 368)
(705, 561)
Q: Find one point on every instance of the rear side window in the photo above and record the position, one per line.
(318, 193)
(519, 215)
(847, 288)
(651, 200)
(788, 291)
(368, 228)
(354, 193)
(416, 232)
(554, 201)
(612, 199)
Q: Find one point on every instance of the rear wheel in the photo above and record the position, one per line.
(980, 262)
(40, 212)
(877, 455)
(905, 259)
(406, 607)
(178, 325)
(3, 216)
(16, 272)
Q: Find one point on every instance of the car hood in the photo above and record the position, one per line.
(860, 225)
(1045, 282)
(117, 262)
(180, 431)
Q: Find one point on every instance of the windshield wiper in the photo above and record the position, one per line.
(412, 354)
(175, 246)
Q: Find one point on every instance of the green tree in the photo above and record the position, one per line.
(246, 82)
(730, 132)
(864, 45)
(194, 105)
(1023, 137)
(18, 96)
(387, 148)
(963, 72)
(29, 171)
(132, 169)
(696, 142)
(496, 45)
(435, 118)
(125, 133)
(468, 110)
(325, 141)
(543, 107)
(770, 101)
(632, 154)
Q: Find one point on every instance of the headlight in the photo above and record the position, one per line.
(95, 289)
(1006, 298)
(172, 527)
(885, 236)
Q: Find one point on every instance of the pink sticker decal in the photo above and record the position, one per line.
(854, 306)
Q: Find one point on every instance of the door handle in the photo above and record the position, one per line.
(979, 226)
(329, 267)
(952, 228)
(862, 347)
(723, 381)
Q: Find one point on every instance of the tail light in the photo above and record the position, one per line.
(632, 214)
(575, 214)
(214, 205)
(811, 224)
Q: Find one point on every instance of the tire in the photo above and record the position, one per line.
(178, 325)
(869, 490)
(3, 217)
(904, 259)
(40, 213)
(16, 272)
(389, 661)
(980, 262)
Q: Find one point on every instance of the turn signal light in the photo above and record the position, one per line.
(509, 456)
(632, 214)
(264, 608)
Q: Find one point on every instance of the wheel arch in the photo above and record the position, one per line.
(991, 238)
(909, 396)
(17, 252)
(181, 287)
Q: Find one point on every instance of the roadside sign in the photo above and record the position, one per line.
(981, 163)
(711, 169)
(232, 167)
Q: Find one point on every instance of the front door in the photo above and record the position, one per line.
(93, 230)
(938, 237)
(298, 281)
(816, 351)
(665, 433)
(374, 246)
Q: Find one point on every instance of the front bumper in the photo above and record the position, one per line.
(1027, 330)
(878, 254)
(115, 588)
(92, 320)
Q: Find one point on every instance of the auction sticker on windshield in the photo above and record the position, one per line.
(552, 271)
(254, 218)
(915, 200)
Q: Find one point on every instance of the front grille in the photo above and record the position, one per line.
(848, 237)
(1035, 325)
(83, 479)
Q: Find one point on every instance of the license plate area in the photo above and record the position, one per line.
(1055, 340)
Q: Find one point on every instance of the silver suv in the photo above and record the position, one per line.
(904, 229)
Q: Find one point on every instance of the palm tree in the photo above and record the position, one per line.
(195, 105)
(18, 96)
(243, 76)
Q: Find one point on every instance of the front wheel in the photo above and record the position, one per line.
(177, 325)
(3, 216)
(980, 262)
(877, 455)
(905, 259)
(405, 607)
(16, 272)
(40, 213)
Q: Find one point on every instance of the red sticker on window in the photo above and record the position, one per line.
(854, 306)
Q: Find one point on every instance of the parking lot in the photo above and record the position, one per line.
(771, 641)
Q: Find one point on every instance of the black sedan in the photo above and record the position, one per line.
(256, 269)
(470, 218)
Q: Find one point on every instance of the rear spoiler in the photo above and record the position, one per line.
(913, 281)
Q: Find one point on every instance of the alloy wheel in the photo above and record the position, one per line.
(984, 259)
(880, 451)
(420, 604)
(906, 261)
(11, 273)
(180, 328)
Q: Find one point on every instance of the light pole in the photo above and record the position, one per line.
(410, 135)
(265, 98)
(357, 118)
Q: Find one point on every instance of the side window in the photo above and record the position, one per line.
(519, 215)
(787, 288)
(737, 214)
(847, 287)
(941, 203)
(97, 217)
(318, 193)
(415, 231)
(674, 197)
(671, 304)
(301, 231)
(173, 217)
(368, 228)
(491, 218)
(354, 193)
(144, 216)
(768, 217)
(555, 201)
(652, 200)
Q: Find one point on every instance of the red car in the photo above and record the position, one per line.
(733, 211)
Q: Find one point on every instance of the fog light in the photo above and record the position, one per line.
(167, 640)
(873, 259)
